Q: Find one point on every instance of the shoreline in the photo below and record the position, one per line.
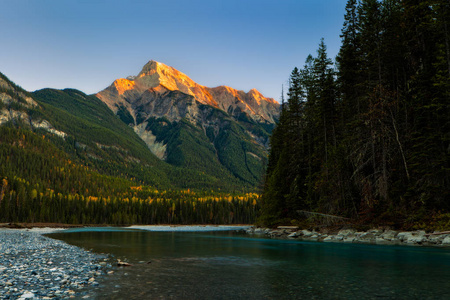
(19, 225)
(372, 236)
(34, 266)
(375, 236)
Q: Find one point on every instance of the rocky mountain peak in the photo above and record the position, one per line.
(157, 78)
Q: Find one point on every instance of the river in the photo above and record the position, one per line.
(233, 265)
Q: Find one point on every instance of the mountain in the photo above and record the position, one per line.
(84, 128)
(214, 130)
(65, 157)
(156, 136)
(156, 80)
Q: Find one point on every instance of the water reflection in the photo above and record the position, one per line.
(228, 265)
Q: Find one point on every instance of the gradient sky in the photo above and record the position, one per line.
(88, 44)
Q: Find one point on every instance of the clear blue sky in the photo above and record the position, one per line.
(88, 44)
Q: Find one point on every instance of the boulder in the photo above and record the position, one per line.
(122, 264)
(338, 238)
(27, 295)
(349, 239)
(293, 235)
(307, 233)
(329, 239)
(276, 233)
(367, 237)
(259, 230)
(446, 241)
(412, 237)
(389, 235)
(375, 232)
(347, 232)
(436, 239)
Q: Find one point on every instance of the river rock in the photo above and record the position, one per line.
(329, 238)
(367, 237)
(307, 233)
(25, 270)
(277, 233)
(436, 239)
(349, 239)
(293, 235)
(375, 232)
(381, 241)
(413, 237)
(446, 240)
(339, 238)
(389, 235)
(259, 230)
(347, 232)
(27, 295)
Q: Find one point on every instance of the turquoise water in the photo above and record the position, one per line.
(230, 265)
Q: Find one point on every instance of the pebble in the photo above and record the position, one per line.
(33, 266)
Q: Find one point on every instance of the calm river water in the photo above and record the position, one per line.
(231, 265)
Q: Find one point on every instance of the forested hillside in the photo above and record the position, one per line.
(100, 140)
(367, 137)
(40, 183)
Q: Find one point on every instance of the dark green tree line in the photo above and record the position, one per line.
(369, 138)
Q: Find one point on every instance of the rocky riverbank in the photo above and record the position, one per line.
(33, 266)
(373, 236)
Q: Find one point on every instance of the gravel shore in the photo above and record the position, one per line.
(33, 266)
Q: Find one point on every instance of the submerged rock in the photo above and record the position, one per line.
(122, 264)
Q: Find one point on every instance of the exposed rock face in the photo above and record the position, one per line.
(159, 149)
(15, 106)
(19, 96)
(235, 102)
(162, 90)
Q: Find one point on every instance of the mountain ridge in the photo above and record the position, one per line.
(160, 78)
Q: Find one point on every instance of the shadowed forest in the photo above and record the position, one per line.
(367, 136)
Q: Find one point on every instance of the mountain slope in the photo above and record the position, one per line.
(99, 139)
(214, 130)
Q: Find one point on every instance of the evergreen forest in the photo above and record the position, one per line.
(366, 137)
(42, 184)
